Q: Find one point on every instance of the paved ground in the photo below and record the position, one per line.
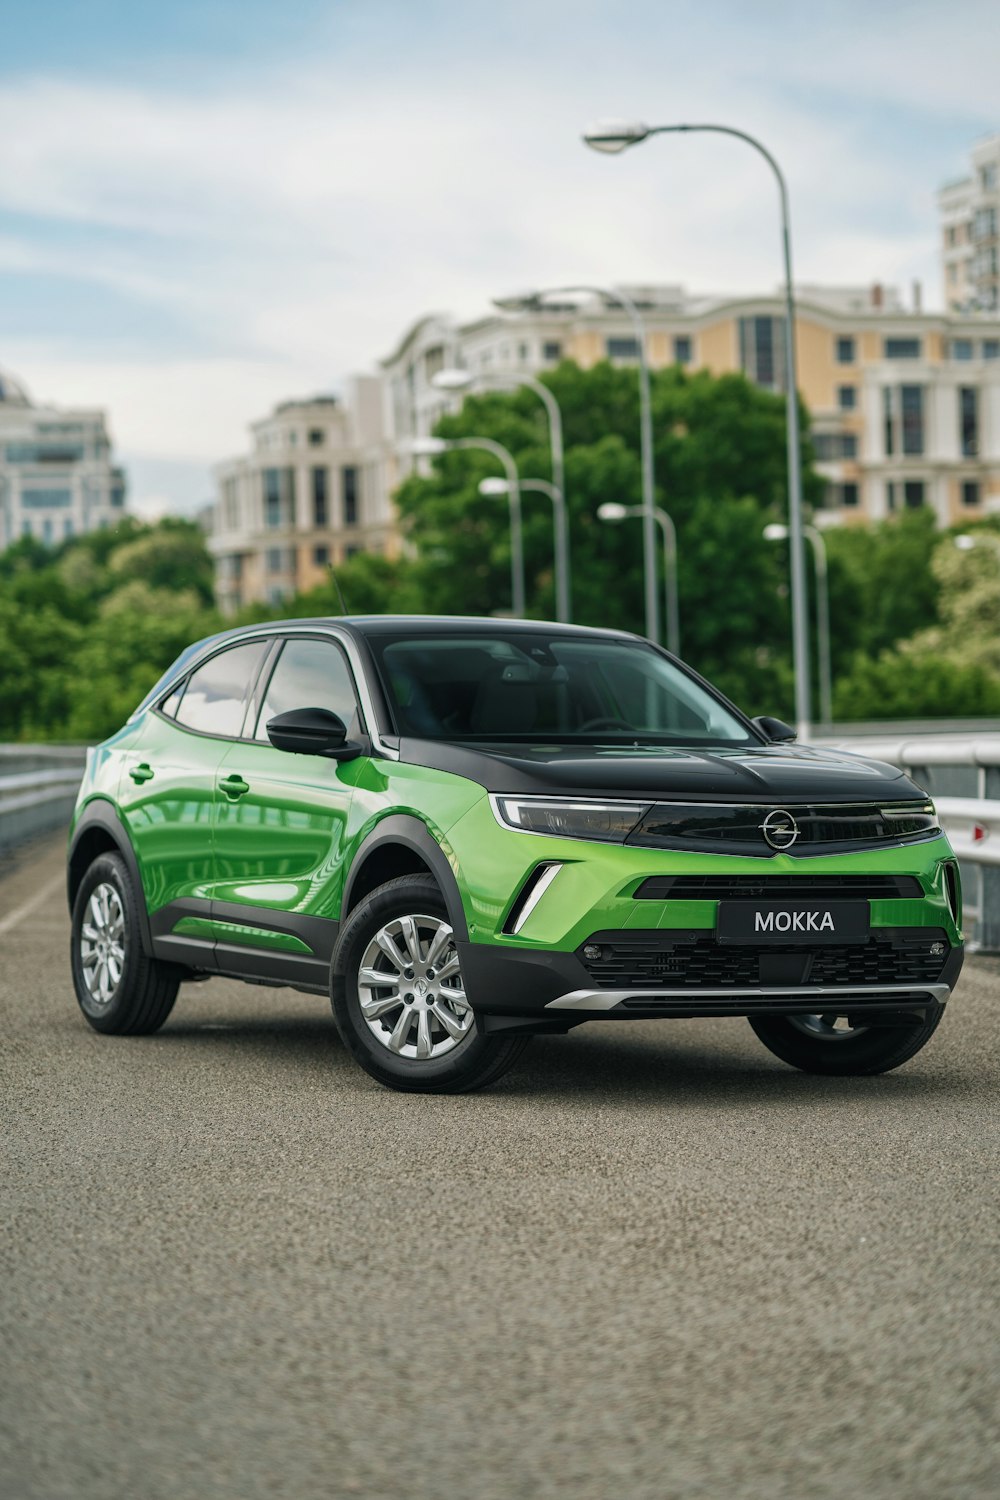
(653, 1262)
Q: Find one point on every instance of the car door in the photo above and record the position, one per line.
(167, 795)
(280, 822)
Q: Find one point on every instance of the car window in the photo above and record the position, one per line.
(309, 674)
(215, 694)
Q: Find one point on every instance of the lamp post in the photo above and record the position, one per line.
(778, 533)
(612, 511)
(461, 380)
(529, 299)
(495, 486)
(430, 446)
(613, 136)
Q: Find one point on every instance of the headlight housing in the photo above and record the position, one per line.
(909, 819)
(565, 818)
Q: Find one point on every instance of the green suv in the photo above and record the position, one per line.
(469, 831)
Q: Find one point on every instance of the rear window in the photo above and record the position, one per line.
(214, 696)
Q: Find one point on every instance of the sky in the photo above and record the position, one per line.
(207, 207)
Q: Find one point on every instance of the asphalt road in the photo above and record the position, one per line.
(652, 1262)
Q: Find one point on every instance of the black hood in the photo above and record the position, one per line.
(785, 774)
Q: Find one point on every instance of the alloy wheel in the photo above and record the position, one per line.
(102, 943)
(411, 991)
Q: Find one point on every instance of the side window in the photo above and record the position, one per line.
(169, 705)
(309, 674)
(216, 692)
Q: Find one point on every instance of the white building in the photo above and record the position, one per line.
(57, 478)
(970, 233)
(313, 491)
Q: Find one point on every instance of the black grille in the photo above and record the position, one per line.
(737, 828)
(695, 960)
(794, 887)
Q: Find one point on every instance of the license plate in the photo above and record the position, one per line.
(804, 923)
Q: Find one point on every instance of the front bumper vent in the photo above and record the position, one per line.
(681, 960)
(790, 887)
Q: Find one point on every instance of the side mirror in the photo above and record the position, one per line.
(311, 731)
(775, 730)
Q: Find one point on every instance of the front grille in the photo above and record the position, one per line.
(820, 828)
(695, 960)
(792, 887)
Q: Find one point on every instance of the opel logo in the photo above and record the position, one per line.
(780, 829)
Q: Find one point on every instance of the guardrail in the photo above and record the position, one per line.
(961, 771)
(38, 787)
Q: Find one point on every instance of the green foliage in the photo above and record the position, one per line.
(86, 629)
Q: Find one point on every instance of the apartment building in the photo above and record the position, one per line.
(905, 404)
(57, 478)
(314, 490)
(970, 233)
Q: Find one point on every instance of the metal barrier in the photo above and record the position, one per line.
(38, 787)
(962, 773)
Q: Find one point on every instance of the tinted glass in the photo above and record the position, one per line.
(546, 688)
(309, 674)
(214, 697)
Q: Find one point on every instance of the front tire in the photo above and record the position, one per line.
(843, 1046)
(119, 988)
(399, 999)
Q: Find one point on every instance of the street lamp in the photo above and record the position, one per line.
(496, 486)
(613, 136)
(612, 511)
(778, 533)
(461, 380)
(530, 299)
(429, 447)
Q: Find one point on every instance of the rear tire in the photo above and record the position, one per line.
(119, 988)
(399, 999)
(822, 1044)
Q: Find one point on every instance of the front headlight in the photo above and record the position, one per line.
(607, 822)
(910, 818)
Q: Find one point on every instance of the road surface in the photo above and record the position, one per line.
(652, 1262)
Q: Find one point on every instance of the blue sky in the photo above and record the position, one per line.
(206, 208)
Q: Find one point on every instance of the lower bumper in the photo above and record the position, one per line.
(555, 990)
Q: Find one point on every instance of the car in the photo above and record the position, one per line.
(470, 831)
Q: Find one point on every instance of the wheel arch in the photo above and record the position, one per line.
(402, 845)
(100, 830)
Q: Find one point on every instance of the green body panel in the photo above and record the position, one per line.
(289, 843)
(596, 887)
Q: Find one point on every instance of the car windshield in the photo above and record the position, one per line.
(547, 688)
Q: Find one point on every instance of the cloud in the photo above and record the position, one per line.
(294, 220)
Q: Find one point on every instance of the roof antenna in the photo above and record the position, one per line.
(336, 584)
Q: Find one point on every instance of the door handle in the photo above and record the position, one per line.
(234, 786)
(140, 773)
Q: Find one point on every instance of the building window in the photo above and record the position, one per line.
(682, 349)
(275, 559)
(523, 353)
(319, 497)
(991, 348)
(349, 481)
(968, 417)
(46, 499)
(551, 350)
(988, 177)
(970, 491)
(68, 526)
(831, 446)
(890, 494)
(321, 556)
(911, 402)
(984, 224)
(901, 348)
(316, 436)
(622, 348)
(847, 397)
(279, 498)
(434, 361)
(888, 426)
(762, 351)
(845, 351)
(849, 495)
(913, 493)
(351, 551)
(961, 348)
